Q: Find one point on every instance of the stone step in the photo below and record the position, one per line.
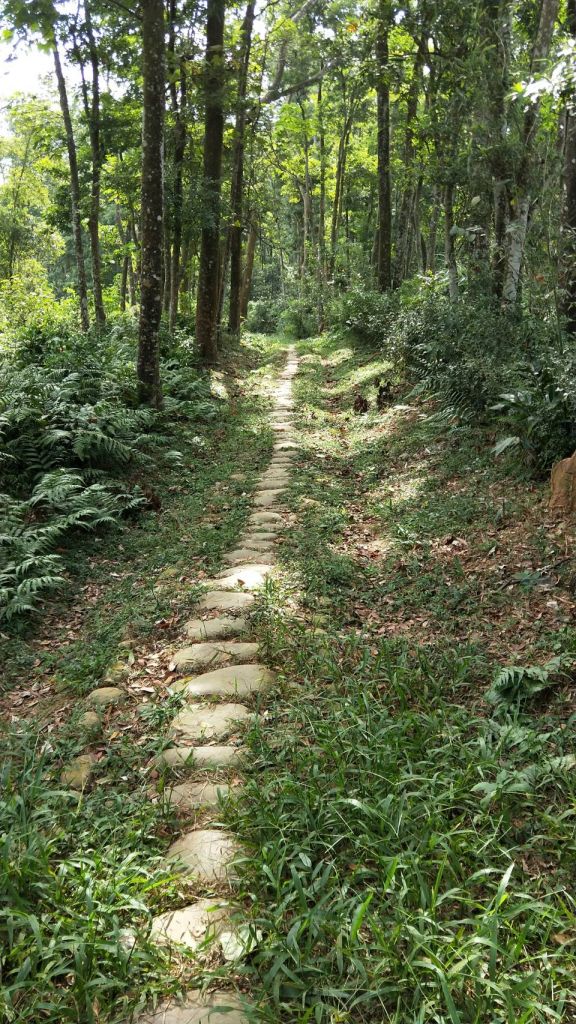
(249, 576)
(217, 756)
(256, 535)
(79, 772)
(205, 655)
(286, 446)
(206, 854)
(107, 696)
(237, 680)
(216, 1008)
(246, 554)
(189, 796)
(215, 629)
(264, 518)
(222, 601)
(194, 926)
(269, 497)
(210, 721)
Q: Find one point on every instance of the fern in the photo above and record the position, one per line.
(516, 682)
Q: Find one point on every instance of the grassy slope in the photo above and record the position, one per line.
(412, 844)
(386, 801)
(76, 871)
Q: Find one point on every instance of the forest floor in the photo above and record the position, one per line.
(407, 828)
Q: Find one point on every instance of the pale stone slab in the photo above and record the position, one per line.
(218, 1008)
(189, 796)
(274, 479)
(259, 536)
(267, 498)
(250, 576)
(222, 601)
(274, 518)
(204, 655)
(215, 629)
(107, 695)
(206, 854)
(235, 680)
(218, 756)
(285, 446)
(194, 926)
(210, 722)
(90, 720)
(246, 554)
(78, 773)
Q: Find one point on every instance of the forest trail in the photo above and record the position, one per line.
(228, 673)
(305, 773)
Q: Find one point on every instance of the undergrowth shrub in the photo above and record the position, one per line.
(263, 316)
(300, 318)
(511, 369)
(74, 449)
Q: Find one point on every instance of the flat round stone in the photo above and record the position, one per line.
(268, 497)
(250, 576)
(107, 695)
(206, 854)
(210, 721)
(235, 680)
(188, 796)
(285, 446)
(254, 536)
(218, 756)
(275, 480)
(77, 774)
(90, 720)
(217, 1008)
(215, 629)
(222, 601)
(259, 518)
(245, 554)
(204, 655)
(199, 924)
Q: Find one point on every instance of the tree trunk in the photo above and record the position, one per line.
(568, 266)
(449, 243)
(179, 108)
(74, 192)
(237, 194)
(321, 212)
(248, 268)
(152, 200)
(93, 116)
(518, 227)
(208, 275)
(383, 115)
(406, 214)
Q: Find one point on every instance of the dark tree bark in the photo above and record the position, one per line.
(248, 269)
(237, 193)
(74, 192)
(407, 212)
(179, 109)
(207, 303)
(152, 229)
(321, 212)
(92, 109)
(384, 262)
(449, 242)
(568, 267)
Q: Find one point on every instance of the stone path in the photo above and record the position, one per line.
(224, 660)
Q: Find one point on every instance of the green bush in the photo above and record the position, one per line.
(300, 318)
(478, 361)
(263, 316)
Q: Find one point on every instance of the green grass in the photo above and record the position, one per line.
(411, 848)
(76, 870)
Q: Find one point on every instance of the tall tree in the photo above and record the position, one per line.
(74, 189)
(521, 199)
(207, 303)
(237, 191)
(91, 98)
(384, 243)
(568, 268)
(152, 202)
